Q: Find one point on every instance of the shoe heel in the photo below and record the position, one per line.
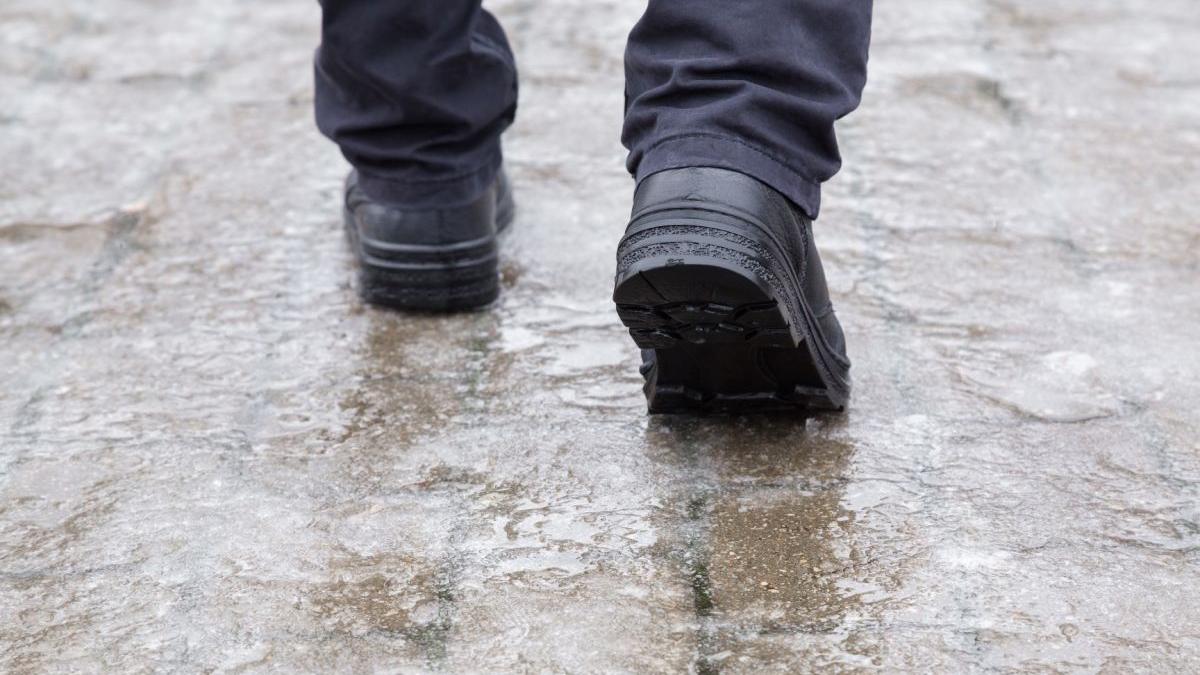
(717, 331)
(428, 278)
(429, 288)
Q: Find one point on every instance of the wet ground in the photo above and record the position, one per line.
(213, 457)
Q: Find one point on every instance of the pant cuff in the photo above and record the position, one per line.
(430, 193)
(722, 152)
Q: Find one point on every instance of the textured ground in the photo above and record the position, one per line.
(212, 457)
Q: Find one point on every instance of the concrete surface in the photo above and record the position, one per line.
(215, 459)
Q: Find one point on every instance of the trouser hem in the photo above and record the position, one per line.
(727, 152)
(457, 190)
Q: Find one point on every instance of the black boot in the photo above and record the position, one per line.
(720, 283)
(428, 259)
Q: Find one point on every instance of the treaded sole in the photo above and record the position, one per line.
(716, 339)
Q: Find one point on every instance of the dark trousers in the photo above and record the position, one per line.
(417, 92)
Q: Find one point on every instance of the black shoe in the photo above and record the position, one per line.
(721, 285)
(430, 259)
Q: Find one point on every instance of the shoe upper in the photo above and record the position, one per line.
(721, 192)
(378, 222)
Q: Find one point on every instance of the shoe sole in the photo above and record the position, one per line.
(709, 307)
(430, 278)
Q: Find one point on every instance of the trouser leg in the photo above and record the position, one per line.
(416, 94)
(749, 85)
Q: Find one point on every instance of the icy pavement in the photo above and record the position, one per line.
(212, 457)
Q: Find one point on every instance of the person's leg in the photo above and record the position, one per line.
(729, 122)
(416, 94)
(753, 85)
